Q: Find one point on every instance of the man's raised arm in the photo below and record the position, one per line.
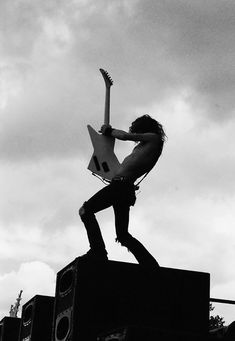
(127, 136)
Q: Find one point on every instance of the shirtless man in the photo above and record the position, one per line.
(120, 193)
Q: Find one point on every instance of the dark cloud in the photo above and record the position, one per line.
(166, 46)
(50, 117)
(152, 49)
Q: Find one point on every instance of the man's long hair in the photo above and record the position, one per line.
(147, 124)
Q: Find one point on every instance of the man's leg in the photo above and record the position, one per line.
(98, 202)
(125, 238)
(97, 245)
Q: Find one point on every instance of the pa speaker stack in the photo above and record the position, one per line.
(37, 318)
(95, 297)
(9, 328)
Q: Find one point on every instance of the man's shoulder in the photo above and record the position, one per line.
(147, 137)
(153, 138)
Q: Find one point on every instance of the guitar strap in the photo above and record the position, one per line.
(137, 185)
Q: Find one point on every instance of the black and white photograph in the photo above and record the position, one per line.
(117, 135)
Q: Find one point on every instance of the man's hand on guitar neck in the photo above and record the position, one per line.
(106, 130)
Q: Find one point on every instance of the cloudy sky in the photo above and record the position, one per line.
(173, 59)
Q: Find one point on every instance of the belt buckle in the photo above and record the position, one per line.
(119, 178)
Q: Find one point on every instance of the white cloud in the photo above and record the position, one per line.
(34, 278)
(36, 194)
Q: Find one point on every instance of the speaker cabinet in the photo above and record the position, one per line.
(37, 318)
(9, 328)
(93, 297)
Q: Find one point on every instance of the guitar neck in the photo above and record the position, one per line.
(107, 107)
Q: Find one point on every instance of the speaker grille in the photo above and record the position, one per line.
(28, 315)
(37, 319)
(63, 325)
(66, 282)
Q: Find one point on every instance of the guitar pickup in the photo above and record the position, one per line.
(97, 165)
(105, 167)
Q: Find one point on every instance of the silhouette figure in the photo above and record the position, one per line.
(120, 193)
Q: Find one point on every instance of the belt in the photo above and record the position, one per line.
(122, 178)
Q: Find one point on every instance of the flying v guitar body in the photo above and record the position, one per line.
(103, 161)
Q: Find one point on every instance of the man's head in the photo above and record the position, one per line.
(146, 124)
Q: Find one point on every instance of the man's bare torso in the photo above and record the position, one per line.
(142, 159)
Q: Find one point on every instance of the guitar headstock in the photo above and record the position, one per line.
(108, 80)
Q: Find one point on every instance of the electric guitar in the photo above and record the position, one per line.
(104, 161)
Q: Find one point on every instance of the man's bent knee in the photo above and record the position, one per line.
(84, 211)
(124, 239)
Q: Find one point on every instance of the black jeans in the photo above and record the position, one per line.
(120, 194)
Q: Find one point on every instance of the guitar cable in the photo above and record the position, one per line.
(105, 181)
